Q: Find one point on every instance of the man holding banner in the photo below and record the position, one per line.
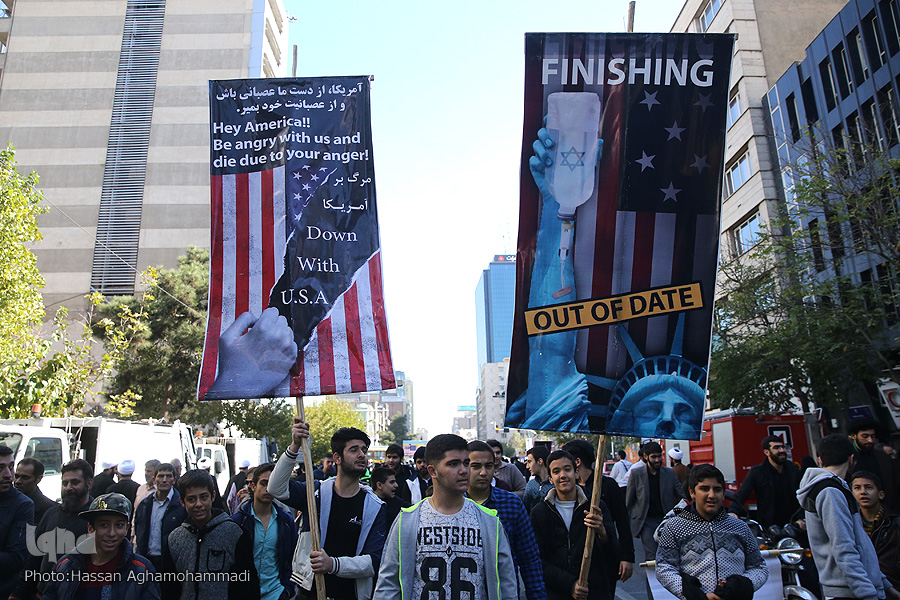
(619, 227)
(622, 161)
(296, 305)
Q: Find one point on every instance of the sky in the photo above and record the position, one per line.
(447, 136)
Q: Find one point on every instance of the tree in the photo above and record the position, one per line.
(59, 373)
(798, 317)
(162, 364)
(21, 304)
(396, 431)
(260, 418)
(324, 419)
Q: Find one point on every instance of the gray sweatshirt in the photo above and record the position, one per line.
(844, 555)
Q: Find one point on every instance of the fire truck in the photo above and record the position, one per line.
(732, 441)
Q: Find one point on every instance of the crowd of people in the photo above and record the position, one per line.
(459, 522)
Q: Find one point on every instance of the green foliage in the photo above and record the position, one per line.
(62, 372)
(796, 321)
(159, 373)
(324, 419)
(21, 304)
(396, 431)
(261, 418)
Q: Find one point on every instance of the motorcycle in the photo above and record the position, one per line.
(798, 570)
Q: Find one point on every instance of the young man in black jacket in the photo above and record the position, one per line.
(560, 525)
(622, 566)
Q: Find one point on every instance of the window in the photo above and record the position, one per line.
(737, 174)
(794, 120)
(734, 109)
(842, 70)
(857, 57)
(873, 129)
(809, 102)
(888, 111)
(874, 43)
(787, 181)
(47, 450)
(831, 99)
(746, 235)
(709, 11)
(891, 20)
(855, 140)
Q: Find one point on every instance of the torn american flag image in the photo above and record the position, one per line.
(617, 252)
(294, 242)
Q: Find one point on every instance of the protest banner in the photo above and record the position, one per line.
(296, 305)
(622, 160)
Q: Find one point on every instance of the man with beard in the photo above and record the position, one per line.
(652, 492)
(863, 435)
(422, 480)
(29, 473)
(63, 526)
(775, 481)
(351, 518)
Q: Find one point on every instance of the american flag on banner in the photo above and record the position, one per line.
(655, 221)
(279, 240)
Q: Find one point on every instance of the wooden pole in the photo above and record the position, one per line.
(312, 513)
(631, 16)
(595, 496)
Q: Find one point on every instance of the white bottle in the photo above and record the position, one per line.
(573, 120)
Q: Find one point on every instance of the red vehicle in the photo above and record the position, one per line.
(732, 441)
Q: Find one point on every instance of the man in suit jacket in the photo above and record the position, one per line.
(651, 493)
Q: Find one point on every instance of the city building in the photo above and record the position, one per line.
(378, 409)
(495, 303)
(465, 423)
(771, 35)
(843, 95)
(108, 102)
(491, 402)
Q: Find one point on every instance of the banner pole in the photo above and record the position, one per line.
(595, 496)
(312, 512)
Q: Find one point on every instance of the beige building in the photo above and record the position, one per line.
(771, 35)
(490, 402)
(107, 100)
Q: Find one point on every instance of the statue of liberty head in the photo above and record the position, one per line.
(660, 396)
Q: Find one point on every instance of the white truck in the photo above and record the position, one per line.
(55, 441)
(227, 453)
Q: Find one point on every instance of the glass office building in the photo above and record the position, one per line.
(495, 302)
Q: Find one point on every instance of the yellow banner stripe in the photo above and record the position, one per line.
(604, 311)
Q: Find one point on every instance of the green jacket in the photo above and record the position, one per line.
(398, 563)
